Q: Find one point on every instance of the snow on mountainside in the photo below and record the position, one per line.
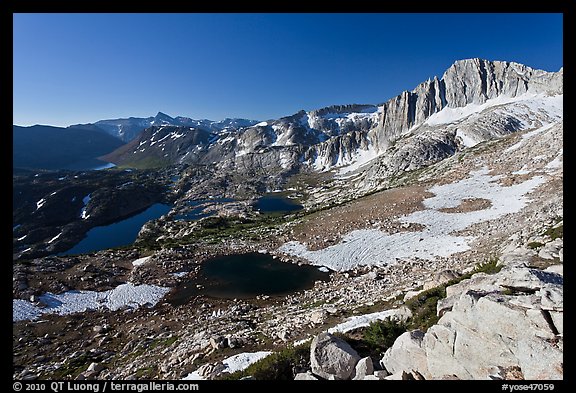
(416, 128)
(128, 129)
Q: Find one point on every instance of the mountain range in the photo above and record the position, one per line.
(413, 129)
(475, 100)
(128, 129)
(46, 147)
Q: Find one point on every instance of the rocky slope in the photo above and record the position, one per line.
(168, 341)
(517, 315)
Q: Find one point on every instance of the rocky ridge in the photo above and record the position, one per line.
(344, 135)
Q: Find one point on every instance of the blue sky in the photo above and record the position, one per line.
(80, 68)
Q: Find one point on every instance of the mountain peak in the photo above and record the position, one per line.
(163, 117)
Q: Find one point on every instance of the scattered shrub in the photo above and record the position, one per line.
(277, 366)
(382, 334)
(534, 245)
(555, 233)
(423, 307)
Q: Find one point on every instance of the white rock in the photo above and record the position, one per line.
(552, 298)
(381, 374)
(364, 367)
(441, 278)
(558, 320)
(410, 294)
(95, 367)
(307, 376)
(318, 317)
(331, 356)
(557, 269)
(407, 354)
(485, 330)
(517, 257)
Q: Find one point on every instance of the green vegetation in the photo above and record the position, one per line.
(375, 339)
(423, 307)
(212, 230)
(534, 245)
(488, 267)
(165, 342)
(382, 334)
(72, 368)
(277, 366)
(145, 372)
(148, 162)
(555, 233)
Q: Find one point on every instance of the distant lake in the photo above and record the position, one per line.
(276, 204)
(246, 276)
(121, 233)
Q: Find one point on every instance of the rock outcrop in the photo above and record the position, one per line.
(332, 358)
(407, 354)
(503, 326)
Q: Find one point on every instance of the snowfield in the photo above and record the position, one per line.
(234, 363)
(361, 321)
(124, 295)
(553, 105)
(376, 248)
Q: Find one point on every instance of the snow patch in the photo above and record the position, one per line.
(243, 360)
(140, 261)
(24, 310)
(124, 295)
(54, 238)
(234, 363)
(536, 102)
(361, 158)
(556, 163)
(40, 203)
(466, 139)
(361, 321)
(83, 213)
(436, 239)
(108, 165)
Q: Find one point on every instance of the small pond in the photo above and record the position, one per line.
(247, 276)
(276, 204)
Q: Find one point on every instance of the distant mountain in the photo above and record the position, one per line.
(128, 129)
(46, 147)
(475, 100)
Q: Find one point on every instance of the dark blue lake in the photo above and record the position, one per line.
(121, 233)
(247, 276)
(276, 204)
